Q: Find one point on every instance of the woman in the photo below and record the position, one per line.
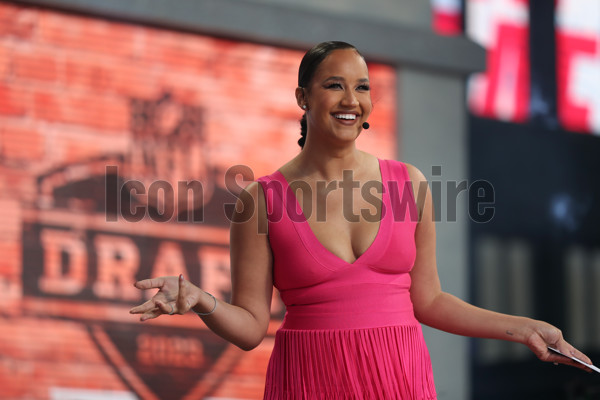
(357, 271)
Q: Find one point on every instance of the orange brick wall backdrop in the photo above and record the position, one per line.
(99, 122)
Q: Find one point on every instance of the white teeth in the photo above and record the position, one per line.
(345, 116)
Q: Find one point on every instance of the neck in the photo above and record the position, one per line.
(328, 162)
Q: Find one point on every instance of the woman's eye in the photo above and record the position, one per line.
(365, 88)
(334, 86)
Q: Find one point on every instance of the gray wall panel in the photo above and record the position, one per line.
(433, 131)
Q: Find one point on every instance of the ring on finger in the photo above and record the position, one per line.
(172, 309)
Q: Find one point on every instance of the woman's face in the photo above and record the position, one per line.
(338, 98)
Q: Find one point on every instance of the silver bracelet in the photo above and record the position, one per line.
(202, 314)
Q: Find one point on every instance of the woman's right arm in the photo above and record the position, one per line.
(245, 320)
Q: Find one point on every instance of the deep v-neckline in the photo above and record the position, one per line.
(311, 241)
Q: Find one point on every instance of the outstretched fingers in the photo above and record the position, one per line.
(150, 304)
(153, 309)
(143, 308)
(154, 283)
(174, 296)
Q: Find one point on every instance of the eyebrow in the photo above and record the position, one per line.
(341, 78)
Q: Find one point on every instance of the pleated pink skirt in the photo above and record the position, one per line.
(389, 363)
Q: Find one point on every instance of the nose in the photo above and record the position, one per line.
(349, 99)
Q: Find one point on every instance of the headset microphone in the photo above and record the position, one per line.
(365, 125)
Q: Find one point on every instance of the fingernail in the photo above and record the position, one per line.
(180, 276)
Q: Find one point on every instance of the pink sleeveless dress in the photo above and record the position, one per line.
(349, 330)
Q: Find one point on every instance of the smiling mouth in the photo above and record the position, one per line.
(345, 117)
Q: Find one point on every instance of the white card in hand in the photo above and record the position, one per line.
(575, 359)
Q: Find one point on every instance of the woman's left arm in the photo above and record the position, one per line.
(443, 311)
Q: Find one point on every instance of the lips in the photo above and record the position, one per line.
(345, 117)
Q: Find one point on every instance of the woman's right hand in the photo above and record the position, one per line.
(245, 319)
(175, 296)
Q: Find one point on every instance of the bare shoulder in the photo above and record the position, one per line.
(420, 188)
(253, 190)
(370, 159)
(251, 207)
(415, 174)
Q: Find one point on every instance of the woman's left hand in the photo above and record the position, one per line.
(543, 335)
